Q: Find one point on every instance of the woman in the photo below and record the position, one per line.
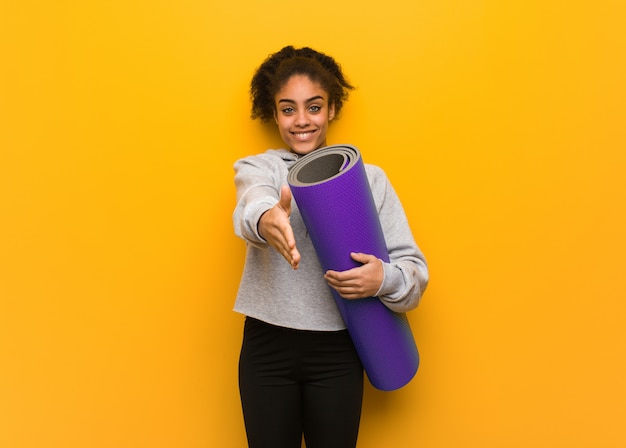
(299, 373)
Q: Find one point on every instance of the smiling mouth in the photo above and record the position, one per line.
(303, 135)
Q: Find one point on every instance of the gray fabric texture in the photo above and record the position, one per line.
(271, 291)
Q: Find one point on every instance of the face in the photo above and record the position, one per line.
(302, 114)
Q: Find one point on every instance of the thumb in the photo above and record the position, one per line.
(285, 199)
(363, 258)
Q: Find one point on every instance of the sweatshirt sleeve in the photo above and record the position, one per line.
(256, 193)
(406, 275)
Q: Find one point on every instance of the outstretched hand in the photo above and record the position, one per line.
(275, 228)
(360, 282)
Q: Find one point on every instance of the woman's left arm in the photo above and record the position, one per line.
(406, 276)
(400, 283)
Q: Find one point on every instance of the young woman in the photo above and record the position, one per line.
(299, 373)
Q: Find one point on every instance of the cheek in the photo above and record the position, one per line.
(283, 125)
(322, 122)
(283, 129)
(279, 122)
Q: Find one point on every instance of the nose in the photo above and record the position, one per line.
(302, 119)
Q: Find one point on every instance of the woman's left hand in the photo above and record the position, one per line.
(360, 282)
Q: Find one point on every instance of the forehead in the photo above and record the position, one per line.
(300, 87)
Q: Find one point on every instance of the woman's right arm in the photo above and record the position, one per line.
(261, 216)
(256, 194)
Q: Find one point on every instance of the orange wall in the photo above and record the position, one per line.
(501, 125)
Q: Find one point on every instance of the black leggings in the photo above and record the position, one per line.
(295, 382)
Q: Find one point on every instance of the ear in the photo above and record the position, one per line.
(275, 116)
(331, 112)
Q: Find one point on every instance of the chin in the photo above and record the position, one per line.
(305, 149)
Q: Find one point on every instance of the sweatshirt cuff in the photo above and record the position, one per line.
(392, 282)
(253, 219)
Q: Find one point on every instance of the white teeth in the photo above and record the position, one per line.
(302, 135)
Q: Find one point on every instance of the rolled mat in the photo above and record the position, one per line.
(333, 195)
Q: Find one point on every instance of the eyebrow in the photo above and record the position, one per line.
(315, 98)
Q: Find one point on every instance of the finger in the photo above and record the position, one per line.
(362, 258)
(291, 253)
(343, 276)
(349, 293)
(295, 258)
(289, 237)
(334, 277)
(285, 199)
(341, 284)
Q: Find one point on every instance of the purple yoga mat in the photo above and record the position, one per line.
(333, 195)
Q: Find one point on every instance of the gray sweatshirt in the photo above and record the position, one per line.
(271, 291)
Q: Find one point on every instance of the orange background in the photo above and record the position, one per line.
(501, 125)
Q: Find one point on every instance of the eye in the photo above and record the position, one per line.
(315, 108)
(288, 110)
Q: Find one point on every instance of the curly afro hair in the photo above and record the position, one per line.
(279, 67)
